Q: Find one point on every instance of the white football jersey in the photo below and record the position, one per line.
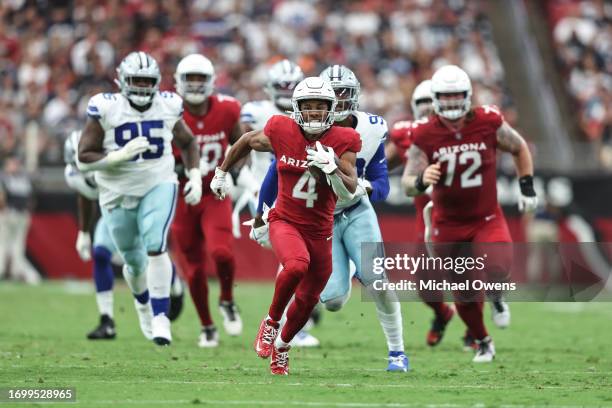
(256, 115)
(373, 130)
(122, 123)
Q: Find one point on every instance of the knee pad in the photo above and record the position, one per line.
(136, 261)
(335, 304)
(222, 255)
(101, 254)
(296, 267)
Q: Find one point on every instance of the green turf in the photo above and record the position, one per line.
(554, 354)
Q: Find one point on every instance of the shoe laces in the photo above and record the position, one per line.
(397, 360)
(269, 333)
(281, 358)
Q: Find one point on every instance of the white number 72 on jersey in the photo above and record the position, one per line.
(468, 178)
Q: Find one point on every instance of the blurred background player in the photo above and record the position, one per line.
(421, 104)
(127, 141)
(103, 249)
(355, 220)
(206, 228)
(283, 77)
(464, 195)
(301, 224)
(15, 203)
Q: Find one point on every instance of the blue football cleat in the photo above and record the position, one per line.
(398, 362)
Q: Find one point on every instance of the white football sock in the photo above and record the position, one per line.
(159, 275)
(104, 300)
(136, 283)
(390, 317)
(279, 343)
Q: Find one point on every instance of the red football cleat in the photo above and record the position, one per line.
(438, 325)
(268, 330)
(279, 365)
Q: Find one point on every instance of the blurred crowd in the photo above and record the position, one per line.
(55, 54)
(582, 34)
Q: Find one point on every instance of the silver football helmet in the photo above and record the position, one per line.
(283, 77)
(313, 88)
(133, 69)
(347, 89)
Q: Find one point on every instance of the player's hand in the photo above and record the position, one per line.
(205, 167)
(219, 184)
(132, 149)
(322, 157)
(83, 246)
(193, 187)
(260, 231)
(432, 174)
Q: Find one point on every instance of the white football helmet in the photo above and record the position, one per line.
(422, 100)
(195, 92)
(450, 79)
(138, 64)
(314, 88)
(283, 77)
(347, 88)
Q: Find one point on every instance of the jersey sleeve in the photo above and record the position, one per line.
(248, 114)
(377, 174)
(98, 106)
(272, 128)
(173, 104)
(351, 142)
(269, 188)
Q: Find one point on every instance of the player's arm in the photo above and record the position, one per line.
(236, 133)
(392, 154)
(343, 179)
(418, 173)
(184, 140)
(509, 140)
(91, 154)
(377, 176)
(85, 217)
(255, 140)
(267, 193)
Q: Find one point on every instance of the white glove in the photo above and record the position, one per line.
(132, 149)
(193, 188)
(205, 167)
(323, 157)
(83, 245)
(261, 234)
(527, 204)
(362, 187)
(219, 184)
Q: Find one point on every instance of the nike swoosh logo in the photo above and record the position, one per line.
(490, 217)
(382, 161)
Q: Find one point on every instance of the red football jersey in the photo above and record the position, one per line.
(467, 190)
(302, 200)
(212, 132)
(401, 136)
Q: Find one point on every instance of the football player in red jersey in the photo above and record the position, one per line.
(206, 228)
(395, 151)
(310, 178)
(455, 151)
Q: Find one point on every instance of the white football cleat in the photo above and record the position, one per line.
(232, 323)
(304, 339)
(145, 316)
(209, 338)
(500, 313)
(162, 335)
(485, 352)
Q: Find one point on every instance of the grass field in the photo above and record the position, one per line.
(553, 355)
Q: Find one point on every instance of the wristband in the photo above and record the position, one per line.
(526, 185)
(418, 184)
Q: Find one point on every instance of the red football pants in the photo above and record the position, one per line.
(307, 266)
(203, 229)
